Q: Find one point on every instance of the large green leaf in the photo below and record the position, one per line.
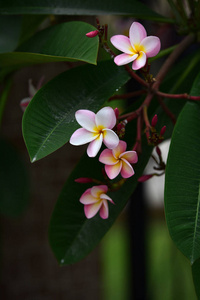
(71, 235)
(14, 192)
(182, 186)
(49, 120)
(63, 42)
(90, 7)
(196, 276)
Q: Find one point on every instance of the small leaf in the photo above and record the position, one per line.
(14, 192)
(182, 185)
(78, 7)
(49, 119)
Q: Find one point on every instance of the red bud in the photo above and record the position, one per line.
(83, 180)
(116, 110)
(145, 178)
(92, 34)
(162, 132)
(154, 121)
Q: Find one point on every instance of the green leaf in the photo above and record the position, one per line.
(63, 42)
(49, 119)
(78, 7)
(71, 235)
(14, 192)
(196, 277)
(182, 184)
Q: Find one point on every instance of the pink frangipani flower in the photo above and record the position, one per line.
(118, 160)
(137, 48)
(96, 129)
(94, 200)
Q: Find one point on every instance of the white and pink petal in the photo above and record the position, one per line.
(140, 61)
(126, 170)
(110, 138)
(86, 119)
(105, 118)
(104, 213)
(106, 157)
(97, 190)
(123, 59)
(113, 171)
(121, 147)
(106, 197)
(87, 198)
(122, 43)
(137, 33)
(82, 136)
(94, 147)
(130, 156)
(151, 45)
(92, 209)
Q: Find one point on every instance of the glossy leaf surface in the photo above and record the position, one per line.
(78, 7)
(63, 42)
(49, 120)
(14, 192)
(182, 186)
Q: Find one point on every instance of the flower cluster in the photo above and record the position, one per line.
(97, 129)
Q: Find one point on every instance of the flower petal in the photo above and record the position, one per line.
(97, 190)
(130, 156)
(87, 198)
(136, 34)
(110, 138)
(121, 147)
(140, 61)
(107, 157)
(122, 43)
(104, 213)
(113, 171)
(106, 197)
(86, 119)
(105, 118)
(124, 59)
(127, 170)
(95, 146)
(82, 136)
(151, 45)
(92, 209)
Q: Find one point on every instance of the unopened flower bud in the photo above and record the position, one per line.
(116, 110)
(145, 178)
(163, 129)
(92, 34)
(154, 121)
(83, 180)
(158, 151)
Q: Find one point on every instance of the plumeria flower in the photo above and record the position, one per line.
(96, 129)
(94, 200)
(118, 160)
(32, 90)
(137, 48)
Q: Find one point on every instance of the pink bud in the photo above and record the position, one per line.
(92, 34)
(83, 180)
(116, 110)
(163, 129)
(145, 178)
(154, 121)
(158, 151)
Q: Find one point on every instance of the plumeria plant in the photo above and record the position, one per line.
(158, 82)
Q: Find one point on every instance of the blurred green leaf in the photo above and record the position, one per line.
(14, 192)
(78, 7)
(63, 42)
(71, 235)
(196, 276)
(182, 184)
(49, 119)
